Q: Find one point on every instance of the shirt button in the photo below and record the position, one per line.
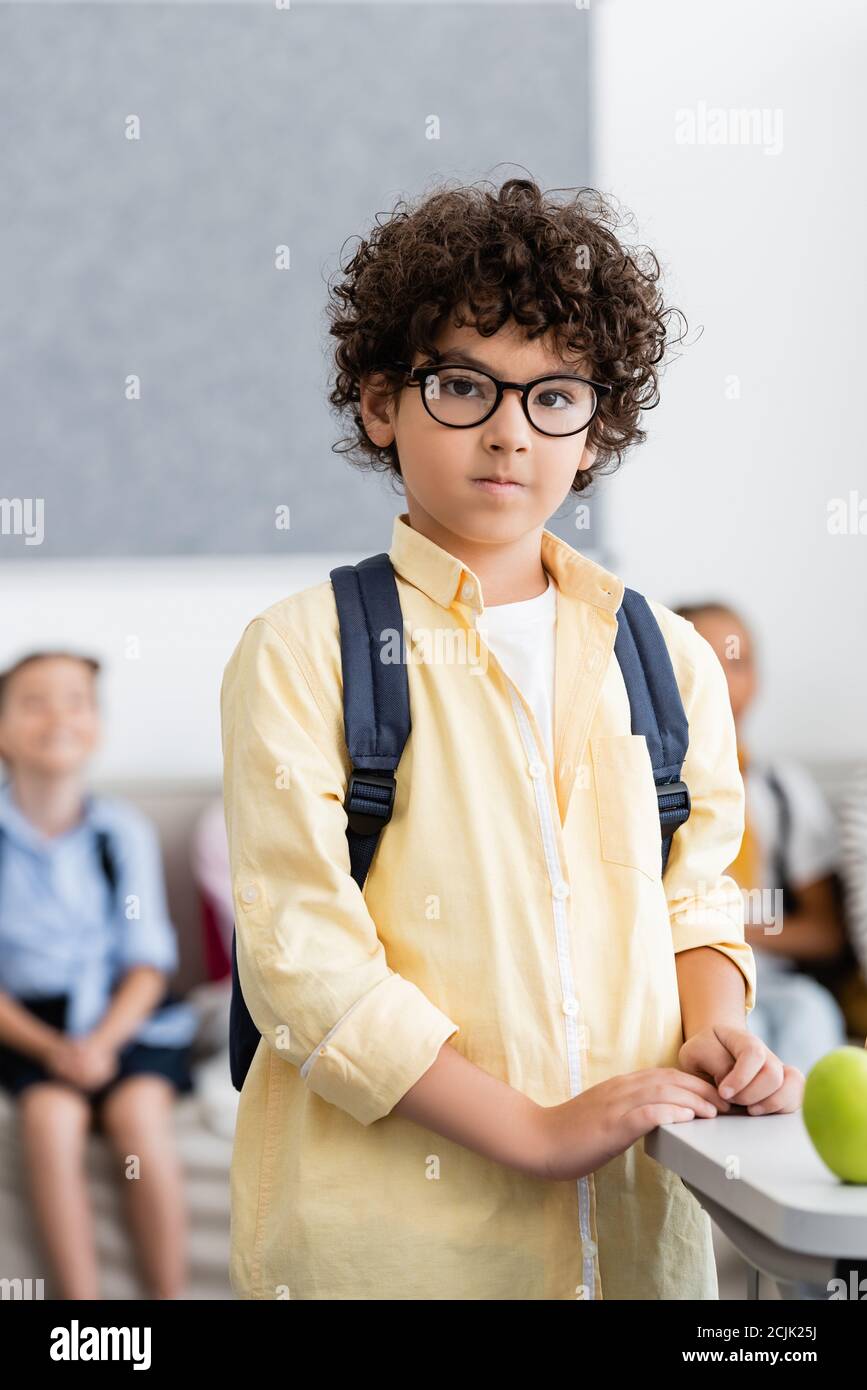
(561, 889)
(322, 1051)
(250, 893)
(536, 768)
(468, 592)
(570, 1004)
(590, 1248)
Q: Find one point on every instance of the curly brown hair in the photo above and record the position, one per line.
(485, 256)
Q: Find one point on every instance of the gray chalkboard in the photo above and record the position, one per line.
(155, 257)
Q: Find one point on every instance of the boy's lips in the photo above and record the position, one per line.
(495, 485)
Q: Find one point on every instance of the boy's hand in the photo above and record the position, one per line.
(55, 1056)
(61, 1060)
(581, 1134)
(82, 1061)
(735, 1058)
(96, 1062)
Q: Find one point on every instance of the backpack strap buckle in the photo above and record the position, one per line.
(674, 806)
(369, 801)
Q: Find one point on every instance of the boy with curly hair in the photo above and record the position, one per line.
(459, 1061)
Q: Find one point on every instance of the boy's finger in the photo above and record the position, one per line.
(704, 1088)
(712, 1059)
(785, 1099)
(746, 1069)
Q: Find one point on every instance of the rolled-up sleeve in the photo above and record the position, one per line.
(705, 904)
(312, 967)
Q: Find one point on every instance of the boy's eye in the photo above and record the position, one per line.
(459, 397)
(459, 385)
(546, 399)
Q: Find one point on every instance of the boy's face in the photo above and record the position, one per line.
(49, 719)
(440, 465)
(731, 642)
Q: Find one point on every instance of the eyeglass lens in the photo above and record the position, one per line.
(460, 396)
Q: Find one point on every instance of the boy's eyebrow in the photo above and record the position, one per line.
(467, 359)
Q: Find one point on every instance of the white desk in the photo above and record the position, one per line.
(787, 1214)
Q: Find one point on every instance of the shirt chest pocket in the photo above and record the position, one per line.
(626, 803)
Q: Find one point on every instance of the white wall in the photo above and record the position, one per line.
(765, 250)
(184, 617)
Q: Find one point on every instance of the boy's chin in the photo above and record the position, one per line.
(52, 765)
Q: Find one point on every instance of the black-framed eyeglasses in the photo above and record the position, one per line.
(462, 397)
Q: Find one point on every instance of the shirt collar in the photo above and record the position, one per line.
(448, 581)
(15, 824)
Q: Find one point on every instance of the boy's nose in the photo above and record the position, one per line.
(509, 416)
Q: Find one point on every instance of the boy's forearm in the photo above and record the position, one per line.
(22, 1030)
(712, 989)
(464, 1103)
(135, 997)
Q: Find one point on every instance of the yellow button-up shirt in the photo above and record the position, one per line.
(513, 908)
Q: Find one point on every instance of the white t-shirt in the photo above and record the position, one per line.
(522, 637)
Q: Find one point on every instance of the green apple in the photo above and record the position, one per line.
(835, 1111)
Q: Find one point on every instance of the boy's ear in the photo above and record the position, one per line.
(376, 408)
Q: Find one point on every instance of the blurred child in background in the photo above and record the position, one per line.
(89, 1034)
(790, 843)
(853, 840)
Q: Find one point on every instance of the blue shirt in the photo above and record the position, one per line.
(63, 930)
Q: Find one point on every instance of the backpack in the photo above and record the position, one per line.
(376, 719)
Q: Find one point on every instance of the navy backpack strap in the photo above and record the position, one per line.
(656, 708)
(376, 723)
(376, 718)
(107, 861)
